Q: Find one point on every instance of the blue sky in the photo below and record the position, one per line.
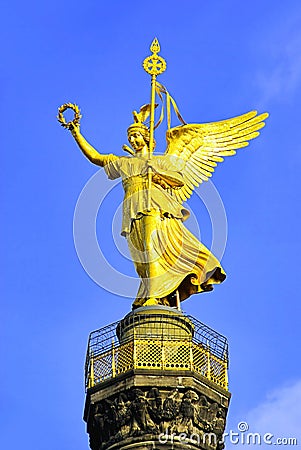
(224, 59)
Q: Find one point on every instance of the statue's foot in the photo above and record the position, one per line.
(150, 302)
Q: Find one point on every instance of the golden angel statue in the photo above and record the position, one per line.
(171, 262)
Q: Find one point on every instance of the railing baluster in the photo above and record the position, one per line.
(91, 382)
(113, 359)
(191, 355)
(208, 372)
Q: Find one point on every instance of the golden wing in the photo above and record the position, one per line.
(197, 148)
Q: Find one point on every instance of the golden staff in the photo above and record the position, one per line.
(153, 65)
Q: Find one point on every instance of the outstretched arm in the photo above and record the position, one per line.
(86, 148)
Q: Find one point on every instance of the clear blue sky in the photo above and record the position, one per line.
(224, 59)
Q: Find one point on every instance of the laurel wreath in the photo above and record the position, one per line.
(77, 115)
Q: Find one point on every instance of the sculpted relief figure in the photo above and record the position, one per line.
(136, 412)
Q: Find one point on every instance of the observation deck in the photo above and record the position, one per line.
(156, 339)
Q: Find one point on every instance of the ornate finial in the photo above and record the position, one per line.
(154, 64)
(155, 46)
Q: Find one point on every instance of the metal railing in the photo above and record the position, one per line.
(160, 355)
(205, 353)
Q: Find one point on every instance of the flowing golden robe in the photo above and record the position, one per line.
(179, 260)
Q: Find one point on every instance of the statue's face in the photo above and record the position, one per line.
(136, 140)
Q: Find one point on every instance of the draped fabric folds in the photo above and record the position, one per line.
(179, 260)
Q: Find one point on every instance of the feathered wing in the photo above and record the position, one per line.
(199, 147)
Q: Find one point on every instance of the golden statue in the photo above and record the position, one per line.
(170, 261)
